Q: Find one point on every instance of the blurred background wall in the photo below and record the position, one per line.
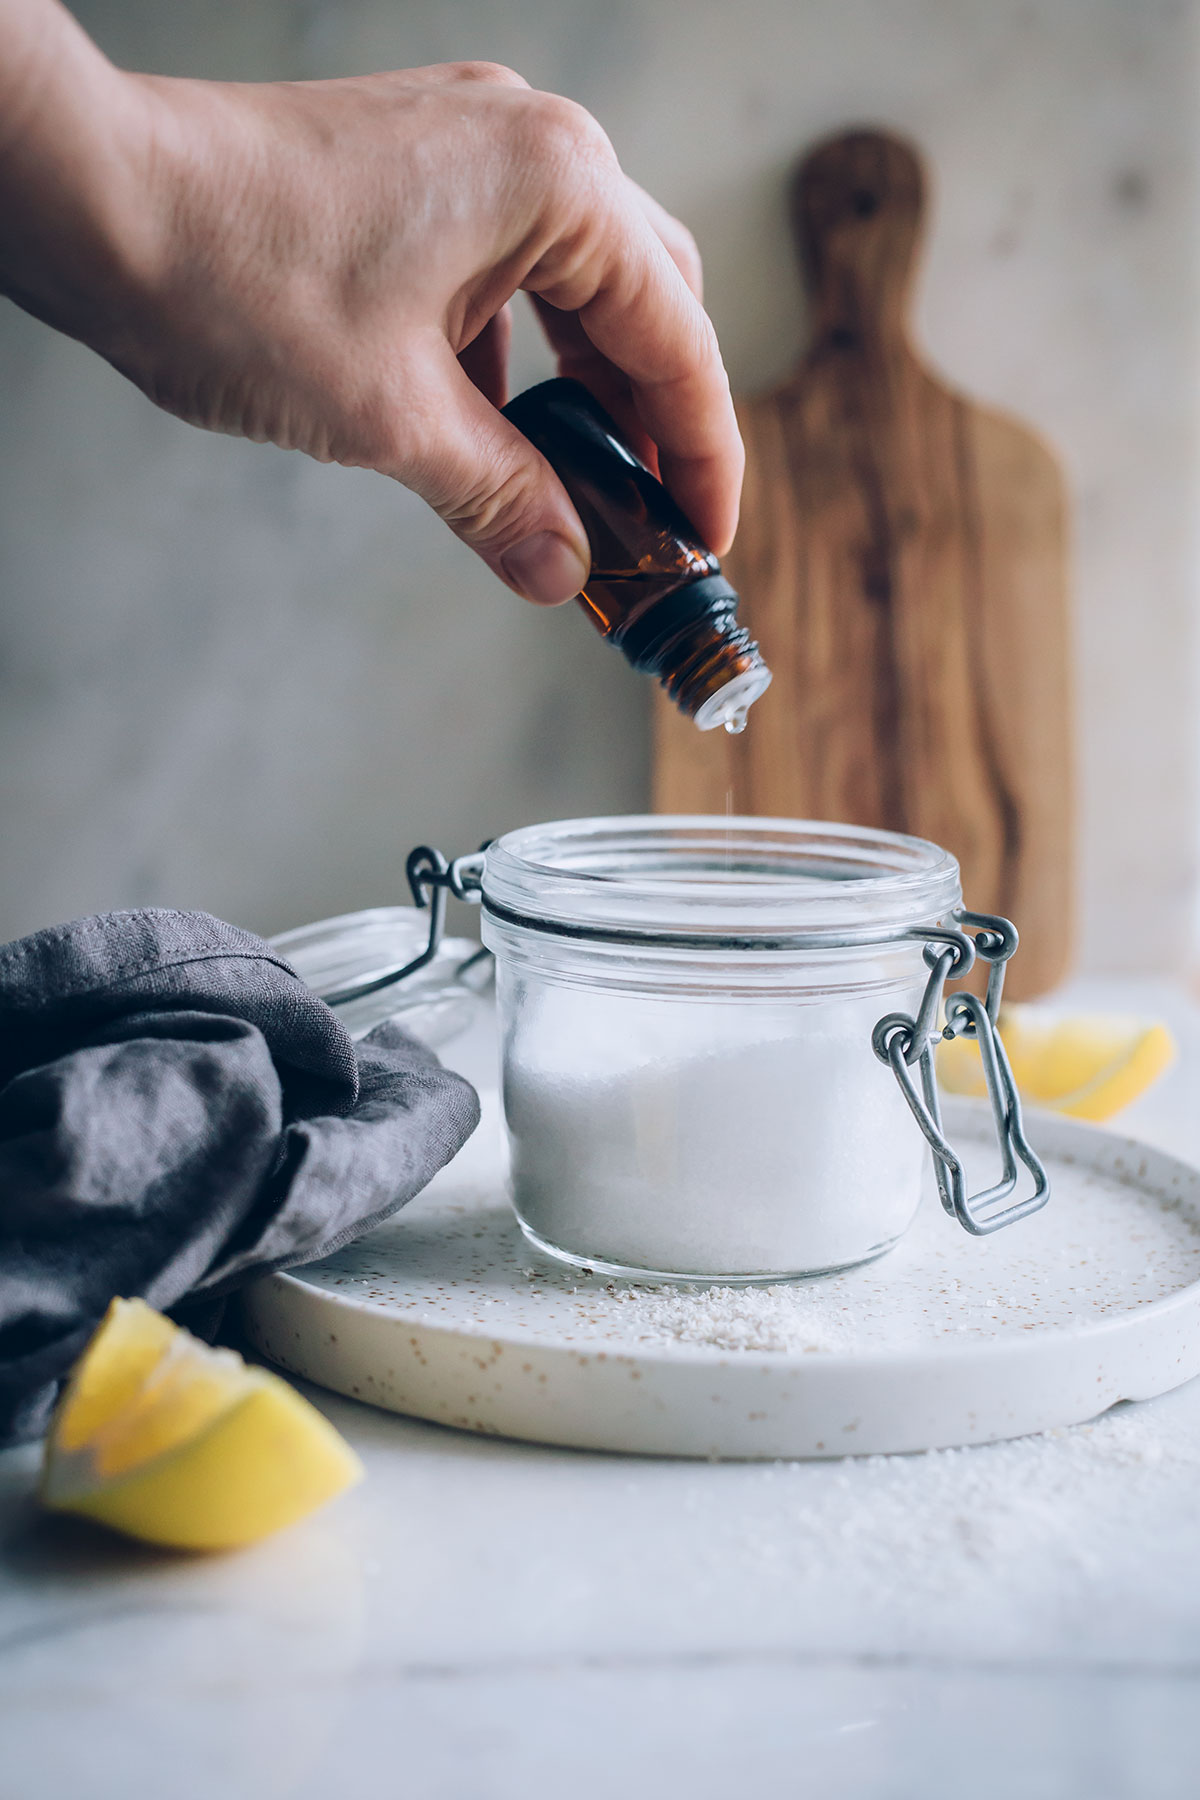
(233, 679)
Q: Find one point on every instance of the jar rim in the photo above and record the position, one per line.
(735, 881)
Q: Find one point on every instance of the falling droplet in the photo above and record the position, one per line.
(735, 724)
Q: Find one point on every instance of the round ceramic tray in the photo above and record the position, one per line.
(447, 1314)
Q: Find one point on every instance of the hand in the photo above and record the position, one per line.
(327, 266)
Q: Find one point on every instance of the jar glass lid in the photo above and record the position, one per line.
(765, 881)
(434, 1004)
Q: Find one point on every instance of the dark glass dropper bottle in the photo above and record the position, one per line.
(655, 590)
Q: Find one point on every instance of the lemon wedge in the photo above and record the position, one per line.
(1090, 1066)
(168, 1440)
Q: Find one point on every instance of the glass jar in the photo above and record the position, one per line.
(687, 1009)
(359, 962)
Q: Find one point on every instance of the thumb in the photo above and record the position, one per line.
(490, 485)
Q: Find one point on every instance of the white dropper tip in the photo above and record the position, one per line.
(730, 704)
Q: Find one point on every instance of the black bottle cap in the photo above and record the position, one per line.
(561, 398)
(642, 640)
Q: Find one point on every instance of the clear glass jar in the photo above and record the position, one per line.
(689, 1081)
(435, 1004)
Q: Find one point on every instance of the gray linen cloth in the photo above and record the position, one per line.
(180, 1114)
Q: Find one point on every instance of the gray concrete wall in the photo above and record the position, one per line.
(234, 679)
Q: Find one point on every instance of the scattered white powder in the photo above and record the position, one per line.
(725, 1318)
(1028, 1522)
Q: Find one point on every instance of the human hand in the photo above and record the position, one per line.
(327, 266)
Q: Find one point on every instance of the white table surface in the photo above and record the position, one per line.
(492, 1621)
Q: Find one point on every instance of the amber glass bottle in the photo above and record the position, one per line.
(655, 590)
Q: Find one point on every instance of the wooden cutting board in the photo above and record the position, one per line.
(902, 560)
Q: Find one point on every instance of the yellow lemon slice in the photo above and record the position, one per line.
(1089, 1067)
(166, 1439)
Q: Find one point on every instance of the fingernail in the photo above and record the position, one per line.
(545, 568)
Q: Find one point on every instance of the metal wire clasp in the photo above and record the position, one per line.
(901, 1042)
(431, 880)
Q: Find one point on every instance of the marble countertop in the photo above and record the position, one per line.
(485, 1621)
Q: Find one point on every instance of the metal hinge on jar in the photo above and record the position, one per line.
(902, 1042)
(431, 881)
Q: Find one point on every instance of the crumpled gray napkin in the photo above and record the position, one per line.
(180, 1114)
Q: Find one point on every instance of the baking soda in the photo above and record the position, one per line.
(735, 1142)
(740, 1320)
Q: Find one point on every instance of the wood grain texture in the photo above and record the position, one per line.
(902, 559)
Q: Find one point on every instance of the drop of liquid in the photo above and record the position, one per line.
(735, 724)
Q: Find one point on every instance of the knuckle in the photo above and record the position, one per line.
(495, 73)
(565, 132)
(493, 513)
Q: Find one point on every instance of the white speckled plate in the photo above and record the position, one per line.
(447, 1314)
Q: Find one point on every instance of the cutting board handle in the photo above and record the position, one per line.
(858, 213)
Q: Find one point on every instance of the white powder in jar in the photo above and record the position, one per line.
(710, 1141)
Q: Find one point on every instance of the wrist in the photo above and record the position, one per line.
(75, 176)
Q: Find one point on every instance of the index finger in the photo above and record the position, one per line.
(638, 311)
(577, 355)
